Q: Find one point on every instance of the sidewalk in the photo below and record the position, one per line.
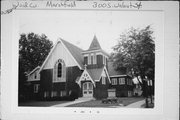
(79, 100)
(136, 104)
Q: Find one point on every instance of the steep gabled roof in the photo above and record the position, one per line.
(35, 69)
(75, 51)
(72, 49)
(85, 75)
(95, 73)
(94, 44)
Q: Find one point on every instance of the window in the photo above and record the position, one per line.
(84, 86)
(94, 59)
(129, 93)
(36, 88)
(90, 86)
(121, 81)
(46, 94)
(104, 60)
(114, 81)
(53, 93)
(103, 80)
(62, 93)
(59, 71)
(89, 59)
(85, 60)
(129, 81)
(35, 75)
(149, 82)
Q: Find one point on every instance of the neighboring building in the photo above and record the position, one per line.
(120, 81)
(70, 70)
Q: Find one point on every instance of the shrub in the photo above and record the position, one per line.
(73, 95)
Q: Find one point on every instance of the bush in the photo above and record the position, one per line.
(73, 95)
(136, 94)
(123, 95)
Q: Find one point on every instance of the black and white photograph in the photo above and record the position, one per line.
(88, 59)
(101, 58)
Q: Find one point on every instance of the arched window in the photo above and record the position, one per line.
(59, 71)
(59, 74)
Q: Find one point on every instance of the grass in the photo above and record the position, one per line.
(98, 103)
(93, 103)
(150, 105)
(41, 103)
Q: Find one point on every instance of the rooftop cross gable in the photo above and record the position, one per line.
(85, 76)
(94, 44)
(35, 69)
(74, 51)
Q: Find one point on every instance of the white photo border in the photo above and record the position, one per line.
(166, 52)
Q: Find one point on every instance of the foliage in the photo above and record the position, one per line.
(33, 49)
(136, 52)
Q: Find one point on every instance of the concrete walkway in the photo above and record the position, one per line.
(79, 100)
(136, 104)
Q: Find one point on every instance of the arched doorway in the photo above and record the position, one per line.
(87, 89)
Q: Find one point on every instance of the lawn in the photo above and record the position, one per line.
(93, 103)
(150, 105)
(41, 103)
(98, 103)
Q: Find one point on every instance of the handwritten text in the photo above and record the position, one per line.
(60, 4)
(7, 11)
(129, 5)
(27, 5)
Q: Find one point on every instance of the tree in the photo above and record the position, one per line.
(33, 49)
(135, 51)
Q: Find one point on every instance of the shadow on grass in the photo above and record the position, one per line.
(98, 103)
(41, 103)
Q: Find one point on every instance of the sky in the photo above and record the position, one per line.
(79, 27)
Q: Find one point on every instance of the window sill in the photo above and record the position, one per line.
(58, 81)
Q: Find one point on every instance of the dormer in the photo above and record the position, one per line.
(95, 57)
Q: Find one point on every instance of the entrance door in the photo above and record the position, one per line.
(87, 89)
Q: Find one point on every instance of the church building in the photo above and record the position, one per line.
(70, 70)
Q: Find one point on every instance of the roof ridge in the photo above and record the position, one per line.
(33, 70)
(74, 51)
(71, 44)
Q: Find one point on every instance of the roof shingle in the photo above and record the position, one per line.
(94, 44)
(75, 51)
(95, 73)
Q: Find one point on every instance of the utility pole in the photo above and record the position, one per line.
(150, 87)
(146, 92)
